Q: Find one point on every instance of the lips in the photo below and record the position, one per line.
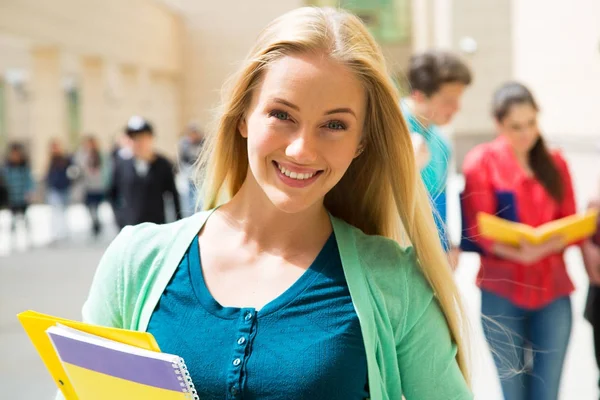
(296, 177)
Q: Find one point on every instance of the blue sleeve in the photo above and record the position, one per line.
(30, 182)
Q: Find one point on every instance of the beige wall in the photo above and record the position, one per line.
(110, 49)
(489, 23)
(133, 31)
(557, 53)
(219, 35)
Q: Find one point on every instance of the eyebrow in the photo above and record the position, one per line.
(334, 111)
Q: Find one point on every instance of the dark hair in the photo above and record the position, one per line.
(428, 71)
(540, 159)
(138, 125)
(95, 159)
(16, 146)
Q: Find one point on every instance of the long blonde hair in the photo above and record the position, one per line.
(381, 192)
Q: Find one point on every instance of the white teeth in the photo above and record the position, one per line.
(295, 175)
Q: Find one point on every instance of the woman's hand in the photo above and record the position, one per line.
(532, 253)
(453, 257)
(528, 253)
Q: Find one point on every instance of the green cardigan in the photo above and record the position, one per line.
(407, 341)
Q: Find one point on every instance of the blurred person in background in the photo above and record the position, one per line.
(591, 259)
(19, 183)
(95, 176)
(525, 290)
(310, 182)
(437, 81)
(59, 178)
(122, 148)
(139, 183)
(190, 146)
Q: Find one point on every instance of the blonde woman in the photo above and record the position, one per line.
(295, 286)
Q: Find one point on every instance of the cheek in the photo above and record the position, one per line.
(339, 157)
(263, 138)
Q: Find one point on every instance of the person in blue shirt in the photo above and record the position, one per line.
(59, 179)
(437, 81)
(16, 174)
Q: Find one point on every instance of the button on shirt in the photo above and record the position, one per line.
(305, 344)
(496, 184)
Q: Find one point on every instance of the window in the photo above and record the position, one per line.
(388, 20)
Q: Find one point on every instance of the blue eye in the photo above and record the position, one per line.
(336, 125)
(282, 115)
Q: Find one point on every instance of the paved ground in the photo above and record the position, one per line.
(55, 280)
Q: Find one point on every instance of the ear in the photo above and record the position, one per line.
(418, 96)
(243, 127)
(359, 149)
(498, 125)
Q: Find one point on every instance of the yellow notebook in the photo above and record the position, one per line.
(36, 325)
(571, 229)
(101, 369)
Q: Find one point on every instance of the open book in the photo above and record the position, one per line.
(572, 229)
(99, 363)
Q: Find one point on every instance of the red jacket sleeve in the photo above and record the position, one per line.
(478, 196)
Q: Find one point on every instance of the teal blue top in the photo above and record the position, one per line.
(435, 173)
(305, 344)
(407, 342)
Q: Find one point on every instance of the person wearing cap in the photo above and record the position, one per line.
(139, 183)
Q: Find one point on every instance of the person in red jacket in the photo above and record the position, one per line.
(525, 290)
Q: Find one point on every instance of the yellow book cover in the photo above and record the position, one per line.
(101, 369)
(36, 324)
(572, 229)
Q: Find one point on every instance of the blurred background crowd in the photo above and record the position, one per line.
(104, 105)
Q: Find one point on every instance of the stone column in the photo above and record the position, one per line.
(93, 102)
(423, 25)
(131, 101)
(48, 106)
(16, 109)
(165, 111)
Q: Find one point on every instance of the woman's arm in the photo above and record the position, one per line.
(425, 349)
(527, 253)
(477, 196)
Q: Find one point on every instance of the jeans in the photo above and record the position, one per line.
(92, 201)
(528, 346)
(58, 201)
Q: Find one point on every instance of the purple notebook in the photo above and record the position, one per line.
(92, 361)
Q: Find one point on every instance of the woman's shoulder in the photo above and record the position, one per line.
(559, 158)
(393, 274)
(148, 240)
(132, 262)
(482, 153)
(383, 257)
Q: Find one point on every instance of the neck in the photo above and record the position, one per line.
(418, 112)
(523, 160)
(148, 157)
(252, 214)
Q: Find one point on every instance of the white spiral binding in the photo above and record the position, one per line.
(185, 380)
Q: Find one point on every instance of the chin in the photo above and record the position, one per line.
(442, 121)
(289, 204)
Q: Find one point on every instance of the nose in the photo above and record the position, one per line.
(303, 147)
